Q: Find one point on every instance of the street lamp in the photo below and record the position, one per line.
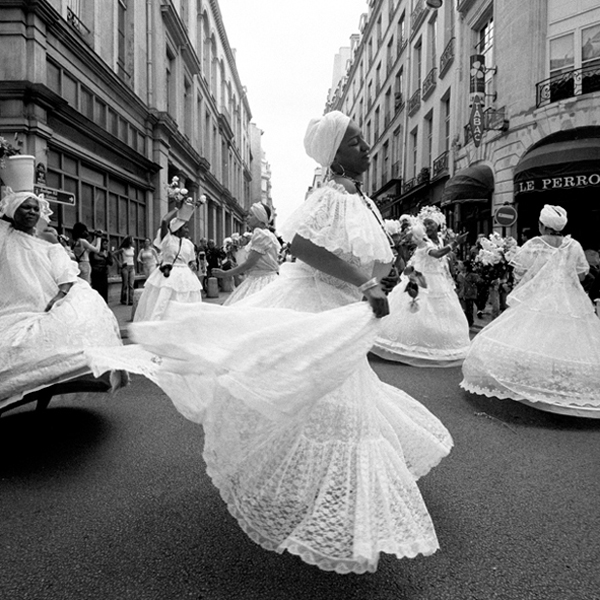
(434, 3)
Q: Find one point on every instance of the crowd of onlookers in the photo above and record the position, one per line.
(91, 250)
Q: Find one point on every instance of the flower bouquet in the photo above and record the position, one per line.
(186, 204)
(6, 150)
(493, 259)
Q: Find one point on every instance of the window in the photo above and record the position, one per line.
(187, 107)
(390, 55)
(170, 81)
(402, 32)
(429, 140)
(446, 123)
(121, 36)
(485, 47)
(590, 59)
(432, 58)
(418, 65)
(414, 145)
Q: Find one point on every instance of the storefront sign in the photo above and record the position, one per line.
(476, 122)
(477, 78)
(53, 195)
(558, 183)
(506, 215)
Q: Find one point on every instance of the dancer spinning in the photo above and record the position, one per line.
(311, 451)
(174, 281)
(544, 350)
(433, 332)
(261, 266)
(48, 314)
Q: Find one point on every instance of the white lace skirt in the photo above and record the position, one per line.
(538, 356)
(250, 285)
(309, 449)
(159, 291)
(431, 332)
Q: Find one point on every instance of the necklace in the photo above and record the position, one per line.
(364, 198)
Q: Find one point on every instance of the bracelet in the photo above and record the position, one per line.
(367, 285)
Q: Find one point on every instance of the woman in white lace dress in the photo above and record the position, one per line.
(174, 281)
(261, 265)
(544, 350)
(433, 331)
(312, 453)
(48, 314)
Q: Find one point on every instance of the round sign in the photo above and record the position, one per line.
(506, 215)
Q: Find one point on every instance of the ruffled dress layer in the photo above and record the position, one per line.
(309, 449)
(266, 270)
(40, 348)
(434, 335)
(182, 285)
(545, 348)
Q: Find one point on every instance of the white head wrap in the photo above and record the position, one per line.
(554, 217)
(12, 201)
(324, 135)
(433, 213)
(176, 224)
(259, 211)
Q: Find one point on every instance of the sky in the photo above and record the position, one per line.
(284, 55)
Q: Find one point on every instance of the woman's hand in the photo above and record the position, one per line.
(54, 300)
(378, 300)
(218, 273)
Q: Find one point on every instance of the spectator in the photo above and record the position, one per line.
(148, 258)
(214, 256)
(100, 262)
(82, 249)
(124, 257)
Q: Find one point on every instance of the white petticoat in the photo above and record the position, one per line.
(182, 285)
(309, 449)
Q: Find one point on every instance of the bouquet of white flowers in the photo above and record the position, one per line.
(494, 256)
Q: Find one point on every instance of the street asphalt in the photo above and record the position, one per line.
(106, 497)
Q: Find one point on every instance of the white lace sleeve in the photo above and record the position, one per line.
(582, 266)
(340, 222)
(526, 256)
(64, 270)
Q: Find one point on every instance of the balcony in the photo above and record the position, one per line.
(417, 17)
(414, 103)
(429, 83)
(568, 85)
(440, 165)
(447, 57)
(409, 185)
(399, 101)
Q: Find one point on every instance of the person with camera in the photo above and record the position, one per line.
(82, 248)
(174, 279)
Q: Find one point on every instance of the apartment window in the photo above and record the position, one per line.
(402, 31)
(87, 103)
(379, 31)
(432, 58)
(378, 79)
(375, 172)
(446, 123)
(448, 22)
(69, 90)
(429, 139)
(485, 46)
(121, 35)
(390, 55)
(418, 65)
(370, 51)
(399, 88)
(171, 88)
(187, 107)
(376, 125)
(414, 145)
(385, 164)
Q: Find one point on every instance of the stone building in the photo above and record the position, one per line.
(530, 69)
(115, 98)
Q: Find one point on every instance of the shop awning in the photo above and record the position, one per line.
(473, 184)
(559, 165)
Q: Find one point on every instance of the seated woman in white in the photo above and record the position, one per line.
(48, 315)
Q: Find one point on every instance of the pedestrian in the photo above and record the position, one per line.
(82, 249)
(214, 255)
(148, 258)
(544, 350)
(261, 266)
(100, 263)
(431, 330)
(309, 449)
(125, 263)
(470, 281)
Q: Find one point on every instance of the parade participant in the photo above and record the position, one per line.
(174, 280)
(309, 449)
(433, 332)
(82, 249)
(48, 314)
(148, 258)
(544, 350)
(261, 266)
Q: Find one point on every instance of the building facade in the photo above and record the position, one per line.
(116, 98)
(477, 105)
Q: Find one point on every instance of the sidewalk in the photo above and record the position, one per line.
(123, 313)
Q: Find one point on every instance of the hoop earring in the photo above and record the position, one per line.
(342, 174)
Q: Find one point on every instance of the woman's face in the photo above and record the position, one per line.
(353, 153)
(431, 227)
(27, 215)
(146, 243)
(253, 222)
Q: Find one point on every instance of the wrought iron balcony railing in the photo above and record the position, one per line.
(447, 57)
(440, 164)
(429, 83)
(568, 85)
(414, 103)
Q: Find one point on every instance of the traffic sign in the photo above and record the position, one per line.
(53, 195)
(506, 215)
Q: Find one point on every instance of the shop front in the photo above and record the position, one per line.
(562, 169)
(467, 201)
